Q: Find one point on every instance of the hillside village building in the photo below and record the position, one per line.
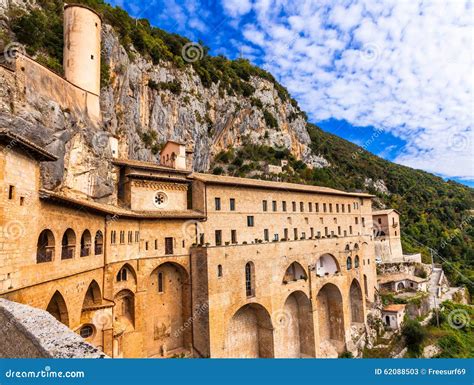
(183, 262)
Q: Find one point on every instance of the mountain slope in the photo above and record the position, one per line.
(235, 115)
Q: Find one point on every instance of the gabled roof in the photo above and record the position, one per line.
(394, 308)
(384, 212)
(259, 183)
(14, 141)
(139, 164)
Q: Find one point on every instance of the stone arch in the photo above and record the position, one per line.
(98, 243)
(250, 333)
(356, 302)
(45, 247)
(294, 327)
(294, 272)
(168, 309)
(126, 273)
(327, 265)
(68, 244)
(93, 296)
(124, 310)
(58, 309)
(331, 317)
(86, 242)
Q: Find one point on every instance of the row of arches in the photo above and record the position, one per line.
(46, 246)
(252, 331)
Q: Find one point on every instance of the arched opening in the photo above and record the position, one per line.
(357, 307)
(168, 308)
(126, 273)
(219, 271)
(356, 246)
(124, 310)
(349, 263)
(331, 319)
(294, 327)
(250, 279)
(58, 309)
(93, 296)
(98, 243)
(294, 272)
(387, 320)
(85, 243)
(356, 261)
(250, 333)
(68, 244)
(326, 265)
(366, 285)
(400, 286)
(45, 247)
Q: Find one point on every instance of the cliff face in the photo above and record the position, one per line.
(143, 114)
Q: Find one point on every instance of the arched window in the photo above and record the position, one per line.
(98, 243)
(356, 261)
(349, 263)
(250, 279)
(160, 283)
(45, 247)
(356, 246)
(86, 331)
(122, 274)
(85, 243)
(68, 244)
(348, 247)
(219, 271)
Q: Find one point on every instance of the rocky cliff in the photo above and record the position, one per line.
(143, 105)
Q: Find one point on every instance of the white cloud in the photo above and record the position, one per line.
(402, 66)
(237, 7)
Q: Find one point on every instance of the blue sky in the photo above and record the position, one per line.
(400, 67)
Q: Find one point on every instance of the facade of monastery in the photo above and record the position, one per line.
(183, 263)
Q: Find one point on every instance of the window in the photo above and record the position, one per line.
(301, 206)
(294, 205)
(68, 244)
(274, 205)
(98, 243)
(348, 208)
(337, 207)
(160, 283)
(349, 263)
(316, 207)
(285, 234)
(233, 236)
(11, 192)
(324, 207)
(303, 235)
(122, 274)
(306, 220)
(86, 331)
(338, 230)
(86, 243)
(218, 236)
(160, 199)
(113, 237)
(156, 244)
(335, 220)
(232, 204)
(311, 232)
(379, 221)
(250, 279)
(45, 247)
(266, 238)
(22, 201)
(321, 220)
(363, 222)
(330, 207)
(130, 236)
(295, 233)
(264, 205)
(219, 271)
(310, 207)
(276, 237)
(350, 230)
(169, 245)
(356, 220)
(356, 261)
(146, 245)
(122, 237)
(217, 203)
(250, 221)
(283, 206)
(343, 208)
(326, 231)
(137, 236)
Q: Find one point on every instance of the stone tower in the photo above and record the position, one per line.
(82, 27)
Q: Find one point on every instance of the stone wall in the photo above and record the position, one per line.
(26, 332)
